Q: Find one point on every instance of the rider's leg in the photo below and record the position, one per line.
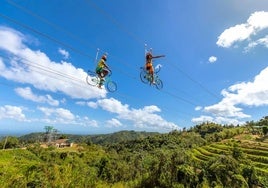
(105, 73)
(98, 71)
(152, 74)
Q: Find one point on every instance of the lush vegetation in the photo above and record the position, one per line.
(100, 139)
(207, 155)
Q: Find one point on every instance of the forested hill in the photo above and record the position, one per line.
(207, 155)
(101, 139)
(121, 136)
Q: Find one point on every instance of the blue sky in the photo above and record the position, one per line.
(215, 67)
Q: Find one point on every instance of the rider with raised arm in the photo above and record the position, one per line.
(102, 69)
(149, 64)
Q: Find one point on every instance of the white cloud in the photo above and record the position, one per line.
(225, 109)
(87, 122)
(113, 105)
(244, 94)
(59, 114)
(197, 108)
(257, 22)
(12, 112)
(202, 119)
(151, 109)
(65, 116)
(34, 67)
(92, 105)
(27, 93)
(64, 53)
(142, 118)
(234, 34)
(253, 93)
(218, 120)
(81, 103)
(262, 41)
(212, 59)
(114, 123)
(11, 39)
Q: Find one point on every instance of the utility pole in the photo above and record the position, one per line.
(49, 130)
(4, 146)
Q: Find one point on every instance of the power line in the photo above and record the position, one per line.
(70, 47)
(54, 40)
(45, 35)
(163, 107)
(48, 70)
(114, 21)
(180, 98)
(77, 38)
(120, 26)
(56, 27)
(198, 83)
(48, 22)
(75, 80)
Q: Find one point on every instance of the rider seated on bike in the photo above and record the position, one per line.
(102, 69)
(149, 64)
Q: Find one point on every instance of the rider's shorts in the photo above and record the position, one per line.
(98, 70)
(149, 67)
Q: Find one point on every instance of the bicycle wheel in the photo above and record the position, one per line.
(111, 86)
(144, 77)
(92, 78)
(158, 83)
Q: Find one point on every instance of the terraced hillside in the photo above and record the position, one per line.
(247, 151)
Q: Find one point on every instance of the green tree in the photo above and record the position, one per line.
(265, 130)
(10, 142)
(227, 171)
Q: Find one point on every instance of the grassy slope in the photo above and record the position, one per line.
(255, 151)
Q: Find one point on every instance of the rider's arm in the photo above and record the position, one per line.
(158, 56)
(107, 66)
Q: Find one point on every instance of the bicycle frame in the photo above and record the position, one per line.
(147, 78)
(94, 80)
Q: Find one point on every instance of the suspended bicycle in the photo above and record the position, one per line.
(147, 78)
(94, 80)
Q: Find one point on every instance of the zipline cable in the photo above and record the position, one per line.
(120, 26)
(69, 77)
(56, 41)
(51, 38)
(68, 46)
(58, 27)
(77, 38)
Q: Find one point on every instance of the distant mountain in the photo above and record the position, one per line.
(101, 139)
(120, 136)
(32, 137)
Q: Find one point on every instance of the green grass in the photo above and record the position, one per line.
(217, 150)
(261, 171)
(260, 165)
(201, 156)
(256, 152)
(221, 146)
(9, 156)
(257, 158)
(206, 152)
